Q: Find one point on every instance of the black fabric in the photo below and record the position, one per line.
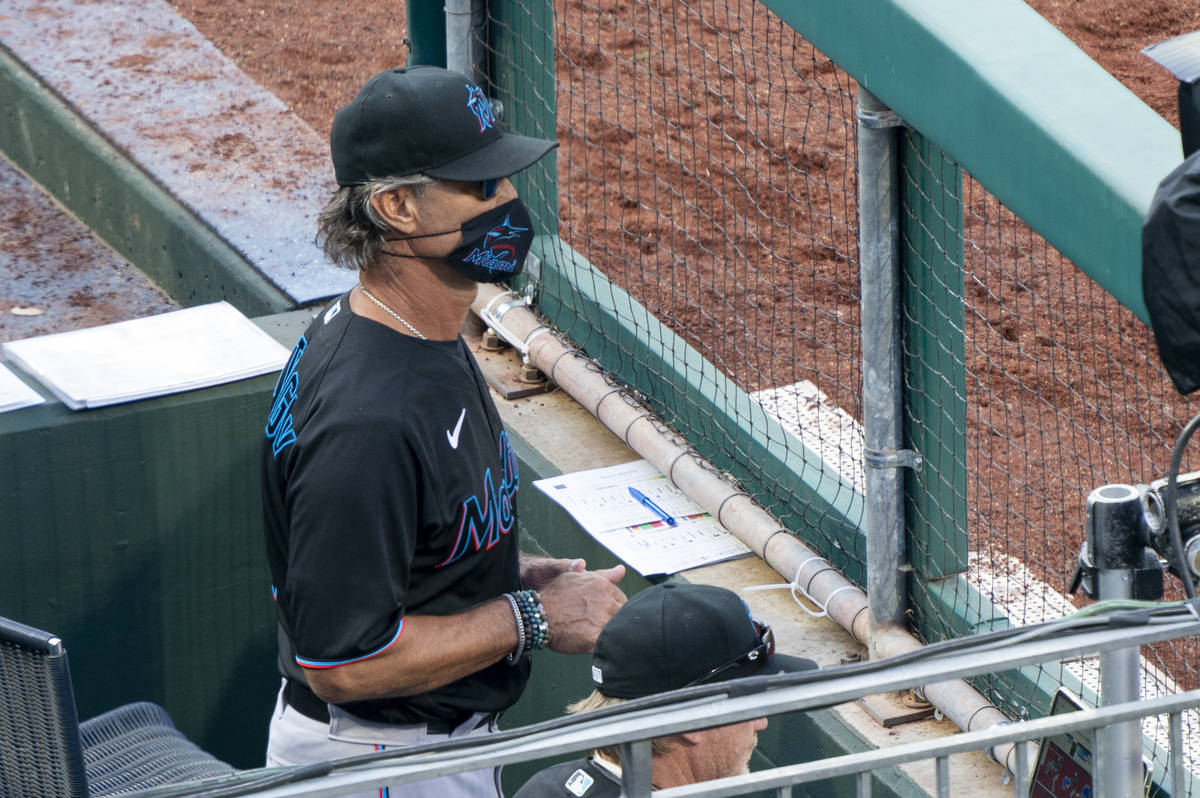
(579, 779)
(1171, 273)
(1189, 117)
(425, 120)
(389, 488)
(670, 635)
(300, 697)
(494, 244)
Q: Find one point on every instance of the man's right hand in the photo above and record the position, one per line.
(578, 605)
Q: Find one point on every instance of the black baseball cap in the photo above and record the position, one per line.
(679, 634)
(425, 120)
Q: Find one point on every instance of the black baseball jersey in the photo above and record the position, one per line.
(582, 778)
(389, 489)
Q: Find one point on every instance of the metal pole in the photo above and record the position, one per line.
(879, 271)
(637, 769)
(464, 46)
(1114, 514)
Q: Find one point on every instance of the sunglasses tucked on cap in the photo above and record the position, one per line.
(678, 634)
(425, 120)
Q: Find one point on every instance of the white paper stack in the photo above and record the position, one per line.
(14, 393)
(152, 356)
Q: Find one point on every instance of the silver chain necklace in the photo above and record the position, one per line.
(391, 312)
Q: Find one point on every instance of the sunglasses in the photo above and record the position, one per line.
(760, 653)
(489, 187)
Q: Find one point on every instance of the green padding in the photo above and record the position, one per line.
(134, 532)
(1044, 128)
(934, 356)
(703, 405)
(426, 32)
(127, 209)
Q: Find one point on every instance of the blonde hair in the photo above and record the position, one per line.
(597, 700)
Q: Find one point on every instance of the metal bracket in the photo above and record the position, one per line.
(892, 458)
(893, 709)
(493, 315)
(533, 279)
(879, 120)
(495, 311)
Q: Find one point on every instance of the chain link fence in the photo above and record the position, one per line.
(707, 172)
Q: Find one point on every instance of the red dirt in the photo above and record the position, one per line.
(314, 56)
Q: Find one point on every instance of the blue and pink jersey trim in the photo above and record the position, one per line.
(322, 664)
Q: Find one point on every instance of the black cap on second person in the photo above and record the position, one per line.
(677, 634)
(425, 120)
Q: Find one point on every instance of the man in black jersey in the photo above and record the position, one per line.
(668, 637)
(406, 610)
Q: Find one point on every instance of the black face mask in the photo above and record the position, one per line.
(494, 245)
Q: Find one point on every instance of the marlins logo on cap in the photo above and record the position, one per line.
(480, 106)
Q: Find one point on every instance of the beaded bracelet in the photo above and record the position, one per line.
(533, 613)
(515, 655)
(533, 628)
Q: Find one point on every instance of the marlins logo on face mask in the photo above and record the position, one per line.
(494, 244)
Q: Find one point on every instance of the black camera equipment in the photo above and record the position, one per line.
(1139, 530)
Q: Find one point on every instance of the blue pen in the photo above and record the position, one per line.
(644, 499)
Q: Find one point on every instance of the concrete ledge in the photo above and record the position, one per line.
(120, 203)
(184, 165)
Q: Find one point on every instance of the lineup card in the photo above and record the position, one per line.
(600, 500)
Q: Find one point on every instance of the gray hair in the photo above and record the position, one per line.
(350, 230)
(597, 700)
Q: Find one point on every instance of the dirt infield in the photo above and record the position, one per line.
(314, 56)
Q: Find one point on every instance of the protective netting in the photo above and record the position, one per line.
(707, 170)
(1064, 393)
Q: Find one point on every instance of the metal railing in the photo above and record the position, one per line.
(634, 724)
